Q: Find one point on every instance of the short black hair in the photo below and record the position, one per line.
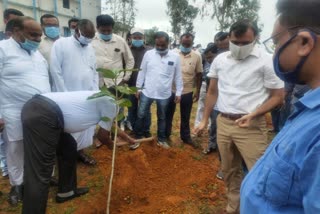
(304, 13)
(213, 48)
(47, 16)
(241, 27)
(220, 36)
(11, 11)
(19, 22)
(73, 19)
(161, 34)
(104, 20)
(9, 26)
(187, 35)
(85, 23)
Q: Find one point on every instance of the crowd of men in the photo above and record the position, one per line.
(45, 80)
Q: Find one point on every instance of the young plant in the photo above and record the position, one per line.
(117, 92)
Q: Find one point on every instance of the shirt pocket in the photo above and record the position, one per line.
(275, 182)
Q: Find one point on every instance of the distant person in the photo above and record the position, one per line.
(210, 54)
(286, 178)
(160, 68)
(72, 24)
(51, 33)
(191, 68)
(244, 87)
(112, 52)
(10, 13)
(138, 50)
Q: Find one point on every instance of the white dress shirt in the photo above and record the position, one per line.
(244, 85)
(79, 113)
(22, 75)
(158, 73)
(111, 55)
(73, 67)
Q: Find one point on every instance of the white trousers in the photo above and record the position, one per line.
(201, 103)
(15, 162)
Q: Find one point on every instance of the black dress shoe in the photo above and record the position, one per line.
(15, 195)
(77, 193)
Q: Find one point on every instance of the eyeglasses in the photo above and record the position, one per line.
(270, 44)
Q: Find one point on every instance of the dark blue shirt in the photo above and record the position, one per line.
(286, 179)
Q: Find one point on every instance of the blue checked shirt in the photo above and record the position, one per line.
(287, 177)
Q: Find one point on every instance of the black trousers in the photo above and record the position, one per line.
(44, 139)
(185, 112)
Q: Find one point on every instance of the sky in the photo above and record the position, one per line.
(153, 13)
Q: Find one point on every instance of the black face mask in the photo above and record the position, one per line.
(290, 76)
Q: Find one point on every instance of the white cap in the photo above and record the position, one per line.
(137, 30)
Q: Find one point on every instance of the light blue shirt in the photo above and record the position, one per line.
(287, 177)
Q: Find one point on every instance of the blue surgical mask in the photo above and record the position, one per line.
(105, 37)
(290, 76)
(29, 45)
(137, 43)
(84, 40)
(162, 51)
(185, 50)
(52, 32)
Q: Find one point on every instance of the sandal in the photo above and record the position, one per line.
(86, 159)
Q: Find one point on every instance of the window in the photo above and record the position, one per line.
(66, 4)
(66, 31)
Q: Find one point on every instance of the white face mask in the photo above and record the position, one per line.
(241, 52)
(84, 40)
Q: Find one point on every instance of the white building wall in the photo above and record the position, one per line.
(87, 9)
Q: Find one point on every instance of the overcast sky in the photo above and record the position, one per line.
(153, 13)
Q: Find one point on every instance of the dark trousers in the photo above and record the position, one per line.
(43, 139)
(185, 112)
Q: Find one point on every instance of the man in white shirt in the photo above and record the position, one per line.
(73, 68)
(50, 27)
(244, 87)
(48, 120)
(112, 51)
(23, 73)
(160, 67)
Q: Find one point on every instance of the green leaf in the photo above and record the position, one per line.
(105, 119)
(124, 103)
(99, 94)
(109, 74)
(126, 90)
(120, 116)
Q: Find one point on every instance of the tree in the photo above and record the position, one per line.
(181, 15)
(149, 36)
(226, 12)
(123, 13)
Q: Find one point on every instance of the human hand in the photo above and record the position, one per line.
(245, 121)
(177, 99)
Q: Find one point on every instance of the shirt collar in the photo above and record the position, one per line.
(311, 99)
(187, 55)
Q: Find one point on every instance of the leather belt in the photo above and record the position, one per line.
(232, 116)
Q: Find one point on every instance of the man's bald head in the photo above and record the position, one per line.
(26, 28)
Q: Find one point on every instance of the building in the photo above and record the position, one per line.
(63, 9)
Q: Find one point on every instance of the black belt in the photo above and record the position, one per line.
(232, 116)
